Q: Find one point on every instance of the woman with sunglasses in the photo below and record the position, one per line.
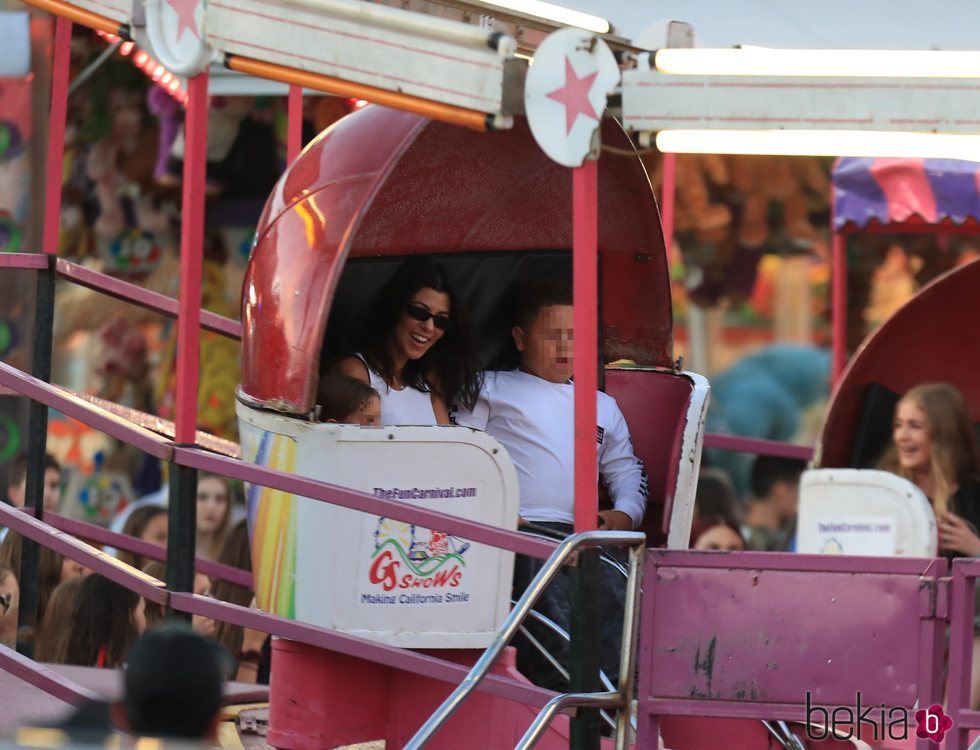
(416, 348)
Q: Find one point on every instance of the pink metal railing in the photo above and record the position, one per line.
(746, 635)
(961, 636)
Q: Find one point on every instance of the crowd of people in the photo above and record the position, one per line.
(414, 361)
(84, 619)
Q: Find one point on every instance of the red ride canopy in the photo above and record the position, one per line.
(384, 183)
(930, 338)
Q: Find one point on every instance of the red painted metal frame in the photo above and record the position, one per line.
(585, 263)
(191, 258)
(56, 134)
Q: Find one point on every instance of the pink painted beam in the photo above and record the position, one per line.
(44, 678)
(667, 202)
(56, 134)
(161, 448)
(838, 301)
(347, 498)
(72, 406)
(145, 298)
(794, 562)
(33, 261)
(585, 261)
(159, 425)
(361, 648)
(294, 124)
(100, 535)
(191, 258)
(28, 526)
(757, 445)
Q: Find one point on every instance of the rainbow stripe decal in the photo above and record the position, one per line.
(272, 520)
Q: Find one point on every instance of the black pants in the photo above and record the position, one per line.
(554, 605)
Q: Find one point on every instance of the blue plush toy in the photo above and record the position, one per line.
(762, 396)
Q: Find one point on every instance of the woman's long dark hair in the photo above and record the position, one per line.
(451, 364)
(103, 619)
(236, 553)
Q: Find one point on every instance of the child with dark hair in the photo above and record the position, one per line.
(347, 400)
(716, 496)
(771, 516)
(530, 410)
(716, 533)
(56, 627)
(250, 648)
(172, 685)
(416, 347)
(148, 523)
(108, 619)
(54, 568)
(236, 553)
(155, 613)
(17, 482)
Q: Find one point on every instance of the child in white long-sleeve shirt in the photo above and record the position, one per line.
(530, 411)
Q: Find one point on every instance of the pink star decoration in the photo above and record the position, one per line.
(575, 96)
(185, 16)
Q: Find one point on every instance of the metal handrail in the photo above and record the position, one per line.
(636, 541)
(560, 703)
(563, 634)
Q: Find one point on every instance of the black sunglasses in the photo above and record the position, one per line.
(419, 313)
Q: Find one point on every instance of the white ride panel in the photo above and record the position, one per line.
(373, 576)
(118, 10)
(439, 60)
(655, 101)
(685, 489)
(864, 512)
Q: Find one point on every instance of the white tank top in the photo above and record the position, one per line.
(406, 406)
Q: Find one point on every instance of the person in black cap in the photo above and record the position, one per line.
(172, 685)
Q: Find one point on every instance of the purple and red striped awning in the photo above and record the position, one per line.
(890, 191)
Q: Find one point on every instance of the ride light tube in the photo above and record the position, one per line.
(437, 111)
(554, 13)
(82, 17)
(853, 63)
(821, 143)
